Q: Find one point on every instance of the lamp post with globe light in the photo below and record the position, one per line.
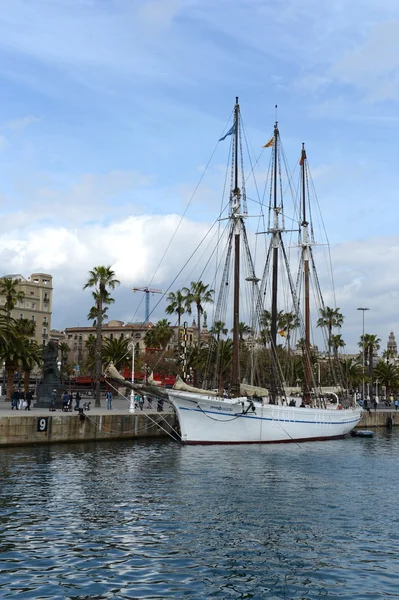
(363, 309)
(132, 407)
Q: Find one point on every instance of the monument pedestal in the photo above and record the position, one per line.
(44, 394)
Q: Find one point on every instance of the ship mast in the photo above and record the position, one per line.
(235, 215)
(306, 257)
(275, 245)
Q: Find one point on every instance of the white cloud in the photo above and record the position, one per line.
(22, 123)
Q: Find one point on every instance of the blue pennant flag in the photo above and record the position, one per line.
(231, 131)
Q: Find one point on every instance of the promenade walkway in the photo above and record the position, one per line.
(119, 406)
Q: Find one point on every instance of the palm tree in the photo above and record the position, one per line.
(288, 322)
(102, 279)
(388, 375)
(218, 328)
(9, 289)
(177, 306)
(243, 330)
(117, 351)
(336, 343)
(352, 372)
(63, 349)
(32, 355)
(369, 344)
(221, 357)
(159, 335)
(199, 294)
(330, 318)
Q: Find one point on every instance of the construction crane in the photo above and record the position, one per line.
(147, 292)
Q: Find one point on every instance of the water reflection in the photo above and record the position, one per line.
(157, 520)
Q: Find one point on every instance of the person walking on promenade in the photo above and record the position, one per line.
(28, 399)
(78, 398)
(109, 400)
(53, 397)
(396, 404)
(15, 400)
(21, 402)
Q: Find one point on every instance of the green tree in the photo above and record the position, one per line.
(369, 344)
(288, 322)
(9, 289)
(218, 329)
(336, 343)
(330, 318)
(243, 330)
(177, 306)
(159, 335)
(102, 279)
(117, 351)
(31, 356)
(388, 375)
(199, 294)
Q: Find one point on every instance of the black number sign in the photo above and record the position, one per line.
(42, 424)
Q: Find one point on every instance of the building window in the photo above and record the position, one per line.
(33, 305)
(122, 336)
(137, 336)
(33, 317)
(32, 293)
(111, 337)
(21, 316)
(35, 281)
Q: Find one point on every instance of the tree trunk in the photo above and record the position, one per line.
(10, 380)
(98, 364)
(26, 380)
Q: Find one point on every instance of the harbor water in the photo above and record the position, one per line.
(156, 520)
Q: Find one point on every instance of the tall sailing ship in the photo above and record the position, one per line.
(274, 413)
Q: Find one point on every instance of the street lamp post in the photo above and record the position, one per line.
(132, 407)
(363, 309)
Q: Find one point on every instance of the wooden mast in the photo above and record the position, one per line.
(275, 241)
(305, 256)
(236, 219)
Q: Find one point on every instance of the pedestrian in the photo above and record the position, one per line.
(396, 404)
(109, 400)
(21, 402)
(65, 401)
(141, 402)
(53, 398)
(78, 398)
(28, 398)
(375, 405)
(137, 401)
(160, 405)
(15, 400)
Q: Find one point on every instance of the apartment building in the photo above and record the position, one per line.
(36, 304)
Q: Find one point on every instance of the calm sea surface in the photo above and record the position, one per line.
(158, 520)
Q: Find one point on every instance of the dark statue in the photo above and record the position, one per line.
(50, 368)
(51, 377)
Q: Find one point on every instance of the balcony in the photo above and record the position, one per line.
(45, 336)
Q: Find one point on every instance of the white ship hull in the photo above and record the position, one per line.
(207, 420)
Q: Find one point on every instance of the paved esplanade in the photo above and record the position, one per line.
(120, 405)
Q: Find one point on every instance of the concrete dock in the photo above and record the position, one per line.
(41, 426)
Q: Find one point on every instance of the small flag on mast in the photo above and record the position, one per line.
(283, 333)
(231, 131)
(269, 143)
(303, 156)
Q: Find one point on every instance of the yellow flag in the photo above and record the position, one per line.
(283, 333)
(269, 143)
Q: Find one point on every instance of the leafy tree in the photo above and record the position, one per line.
(369, 344)
(9, 289)
(244, 330)
(159, 335)
(199, 294)
(288, 322)
(117, 351)
(177, 306)
(102, 279)
(336, 343)
(388, 375)
(218, 329)
(330, 318)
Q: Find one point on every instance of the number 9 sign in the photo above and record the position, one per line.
(42, 424)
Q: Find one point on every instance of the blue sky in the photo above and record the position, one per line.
(111, 108)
